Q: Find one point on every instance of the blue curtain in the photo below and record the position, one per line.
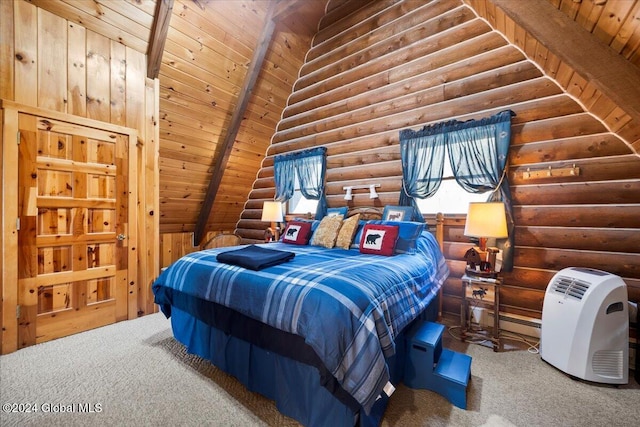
(478, 154)
(422, 154)
(284, 170)
(310, 166)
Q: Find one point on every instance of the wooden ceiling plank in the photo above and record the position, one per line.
(248, 16)
(570, 7)
(190, 121)
(236, 120)
(179, 169)
(175, 143)
(178, 70)
(158, 37)
(187, 149)
(203, 98)
(197, 42)
(629, 32)
(124, 22)
(92, 23)
(212, 21)
(589, 13)
(140, 10)
(612, 19)
(175, 179)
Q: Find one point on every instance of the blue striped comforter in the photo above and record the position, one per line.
(347, 306)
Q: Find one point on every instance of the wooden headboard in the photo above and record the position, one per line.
(374, 212)
(366, 212)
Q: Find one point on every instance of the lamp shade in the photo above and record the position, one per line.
(486, 220)
(272, 212)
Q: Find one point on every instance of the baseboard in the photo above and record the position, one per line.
(517, 324)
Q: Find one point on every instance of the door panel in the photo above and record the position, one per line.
(73, 205)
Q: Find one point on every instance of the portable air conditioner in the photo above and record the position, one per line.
(585, 325)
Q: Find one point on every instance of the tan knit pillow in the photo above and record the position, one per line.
(327, 231)
(347, 231)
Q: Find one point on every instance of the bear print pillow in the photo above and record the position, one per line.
(378, 239)
(297, 232)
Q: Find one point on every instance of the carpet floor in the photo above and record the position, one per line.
(134, 373)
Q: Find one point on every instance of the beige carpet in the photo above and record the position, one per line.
(137, 374)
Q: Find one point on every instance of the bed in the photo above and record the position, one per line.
(321, 334)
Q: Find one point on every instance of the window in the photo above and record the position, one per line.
(450, 197)
(298, 204)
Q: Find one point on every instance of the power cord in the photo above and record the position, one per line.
(533, 347)
(481, 341)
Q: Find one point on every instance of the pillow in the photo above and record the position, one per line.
(297, 232)
(338, 211)
(327, 232)
(408, 232)
(314, 223)
(347, 231)
(378, 239)
(356, 240)
(397, 213)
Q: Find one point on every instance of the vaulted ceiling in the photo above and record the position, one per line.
(217, 115)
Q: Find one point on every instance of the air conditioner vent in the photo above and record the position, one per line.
(570, 286)
(609, 363)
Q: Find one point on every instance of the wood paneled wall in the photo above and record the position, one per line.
(207, 54)
(392, 65)
(175, 245)
(56, 64)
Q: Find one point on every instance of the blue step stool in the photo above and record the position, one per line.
(431, 367)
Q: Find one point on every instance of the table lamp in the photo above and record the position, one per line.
(272, 212)
(486, 220)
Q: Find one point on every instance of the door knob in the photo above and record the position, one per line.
(121, 237)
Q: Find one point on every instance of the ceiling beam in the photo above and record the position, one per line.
(604, 68)
(236, 120)
(286, 8)
(159, 30)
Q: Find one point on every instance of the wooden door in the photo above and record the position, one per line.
(73, 197)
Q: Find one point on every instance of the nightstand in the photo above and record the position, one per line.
(480, 292)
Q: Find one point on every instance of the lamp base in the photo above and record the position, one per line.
(268, 235)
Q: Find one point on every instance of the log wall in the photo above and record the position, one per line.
(49, 62)
(392, 65)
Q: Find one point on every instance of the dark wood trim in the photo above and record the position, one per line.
(159, 30)
(236, 120)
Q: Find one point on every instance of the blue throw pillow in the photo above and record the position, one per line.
(408, 232)
(355, 244)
